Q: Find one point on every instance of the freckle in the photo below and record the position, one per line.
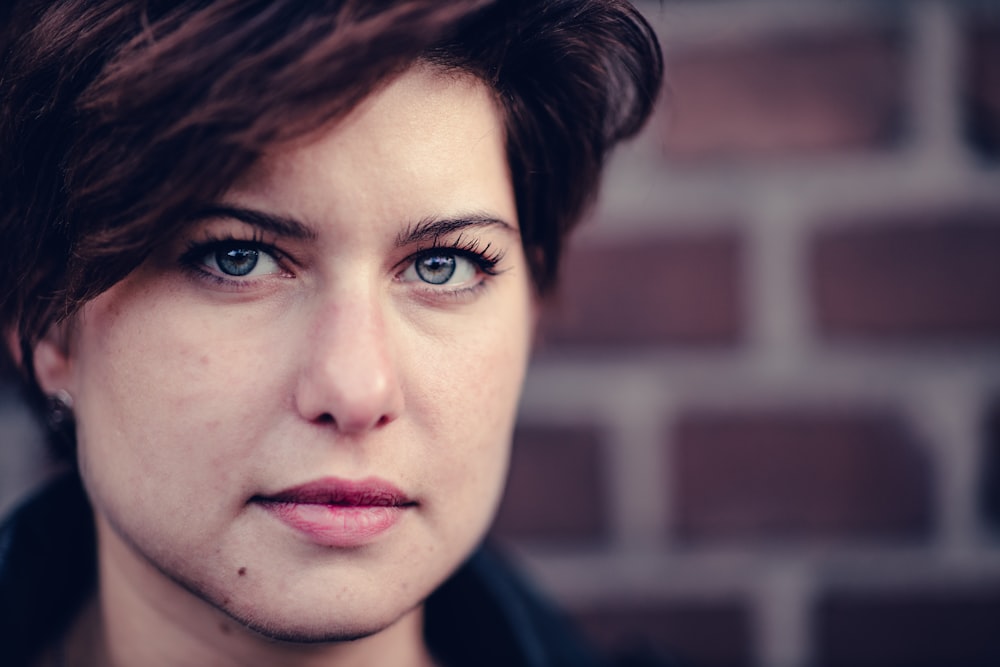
(225, 629)
(242, 572)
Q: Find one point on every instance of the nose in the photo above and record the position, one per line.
(349, 377)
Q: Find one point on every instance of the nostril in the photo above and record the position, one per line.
(327, 419)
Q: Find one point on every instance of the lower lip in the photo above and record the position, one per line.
(341, 526)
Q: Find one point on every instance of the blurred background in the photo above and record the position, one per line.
(762, 428)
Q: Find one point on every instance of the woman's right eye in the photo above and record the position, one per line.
(235, 259)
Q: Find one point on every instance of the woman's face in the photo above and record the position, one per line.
(300, 410)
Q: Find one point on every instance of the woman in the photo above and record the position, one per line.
(271, 270)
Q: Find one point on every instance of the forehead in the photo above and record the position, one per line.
(430, 138)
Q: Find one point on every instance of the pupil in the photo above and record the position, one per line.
(436, 269)
(236, 261)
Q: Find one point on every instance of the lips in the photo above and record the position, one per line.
(339, 513)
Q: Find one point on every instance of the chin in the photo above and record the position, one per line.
(295, 625)
(293, 628)
(300, 634)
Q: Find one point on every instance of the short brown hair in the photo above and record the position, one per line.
(118, 119)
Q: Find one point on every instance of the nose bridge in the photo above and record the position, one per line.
(350, 377)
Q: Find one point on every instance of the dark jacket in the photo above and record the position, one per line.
(484, 615)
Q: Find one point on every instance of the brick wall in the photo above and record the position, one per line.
(763, 425)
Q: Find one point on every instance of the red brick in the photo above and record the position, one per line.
(680, 290)
(933, 276)
(556, 492)
(708, 634)
(910, 628)
(798, 475)
(982, 96)
(794, 93)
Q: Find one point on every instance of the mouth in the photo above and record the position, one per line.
(342, 493)
(338, 513)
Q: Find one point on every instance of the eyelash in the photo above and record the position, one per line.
(192, 258)
(484, 258)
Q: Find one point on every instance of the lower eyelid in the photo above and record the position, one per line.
(440, 295)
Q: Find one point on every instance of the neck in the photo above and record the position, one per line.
(140, 617)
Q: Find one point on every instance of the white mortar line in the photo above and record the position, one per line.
(776, 284)
(717, 573)
(935, 75)
(783, 606)
(947, 411)
(639, 466)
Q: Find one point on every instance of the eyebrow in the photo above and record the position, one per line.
(270, 222)
(430, 229)
(427, 229)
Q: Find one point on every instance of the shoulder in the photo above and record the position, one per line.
(488, 614)
(46, 568)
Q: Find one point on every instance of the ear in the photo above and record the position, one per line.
(52, 360)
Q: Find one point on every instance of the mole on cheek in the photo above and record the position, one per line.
(242, 571)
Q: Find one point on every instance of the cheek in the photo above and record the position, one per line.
(470, 389)
(157, 394)
(471, 378)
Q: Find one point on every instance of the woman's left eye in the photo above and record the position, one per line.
(240, 260)
(439, 267)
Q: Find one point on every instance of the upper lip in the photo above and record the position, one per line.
(370, 492)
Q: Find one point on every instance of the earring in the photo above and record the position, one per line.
(60, 410)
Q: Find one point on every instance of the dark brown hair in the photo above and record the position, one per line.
(118, 119)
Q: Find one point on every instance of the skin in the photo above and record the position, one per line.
(194, 393)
